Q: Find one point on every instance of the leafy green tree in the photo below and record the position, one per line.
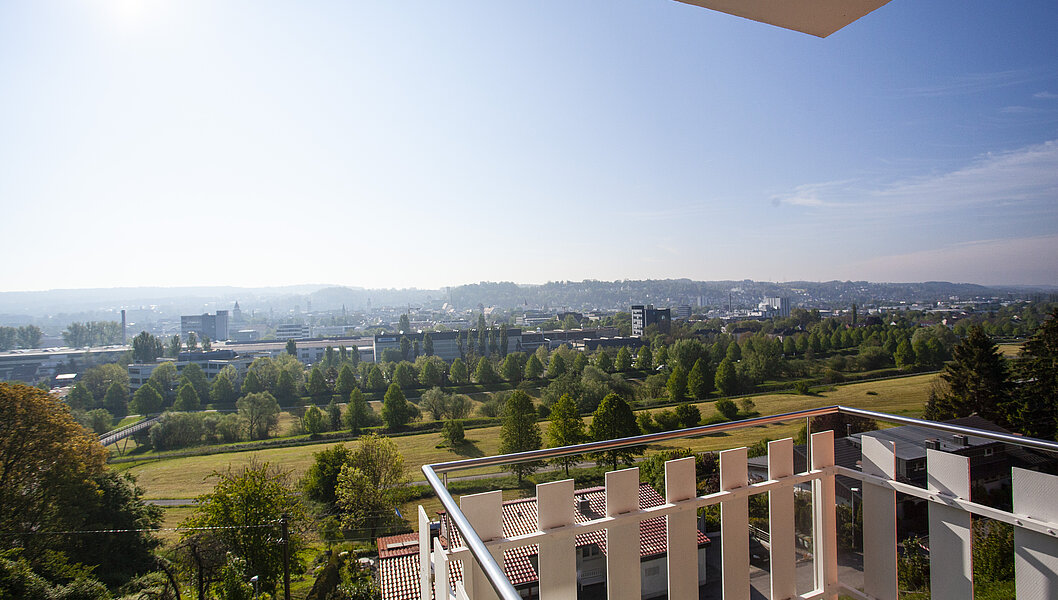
(404, 325)
(699, 382)
(623, 362)
(346, 381)
(371, 484)
(321, 479)
(286, 389)
(978, 381)
(79, 397)
(117, 400)
(520, 432)
(734, 351)
(485, 374)
(259, 414)
(240, 506)
(186, 398)
(193, 374)
(727, 408)
(165, 377)
(580, 361)
(661, 357)
(318, 388)
(556, 366)
(604, 362)
(147, 401)
(404, 375)
(613, 419)
(533, 368)
(292, 348)
(431, 373)
(688, 415)
(677, 384)
(645, 359)
(29, 336)
(99, 420)
(458, 372)
(452, 433)
(726, 378)
(565, 428)
(146, 348)
(174, 347)
(192, 341)
(375, 381)
(313, 421)
(334, 415)
(207, 344)
(395, 410)
(511, 371)
(504, 341)
(427, 344)
(221, 391)
(905, 354)
(266, 372)
(993, 551)
(357, 414)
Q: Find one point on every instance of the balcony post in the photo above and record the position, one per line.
(824, 523)
(1035, 554)
(734, 525)
(424, 555)
(879, 520)
(623, 577)
(485, 513)
(557, 554)
(781, 533)
(681, 530)
(950, 573)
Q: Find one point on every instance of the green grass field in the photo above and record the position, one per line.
(187, 477)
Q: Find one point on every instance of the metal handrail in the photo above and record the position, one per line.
(494, 572)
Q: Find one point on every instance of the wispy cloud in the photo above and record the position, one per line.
(1045, 95)
(973, 83)
(1027, 176)
(1017, 110)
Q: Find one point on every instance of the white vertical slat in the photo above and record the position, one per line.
(950, 573)
(734, 525)
(557, 555)
(682, 530)
(622, 539)
(441, 586)
(424, 555)
(781, 522)
(824, 523)
(879, 520)
(1035, 554)
(485, 513)
(461, 591)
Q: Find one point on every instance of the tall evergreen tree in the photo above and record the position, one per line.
(612, 420)
(677, 384)
(186, 398)
(292, 348)
(645, 359)
(566, 428)
(395, 410)
(699, 382)
(726, 378)
(520, 432)
(427, 344)
(623, 362)
(346, 381)
(1036, 396)
(504, 341)
(978, 381)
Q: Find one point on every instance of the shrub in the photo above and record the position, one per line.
(727, 408)
(452, 433)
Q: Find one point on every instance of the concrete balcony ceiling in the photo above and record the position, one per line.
(816, 17)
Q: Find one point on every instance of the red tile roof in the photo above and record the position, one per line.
(399, 563)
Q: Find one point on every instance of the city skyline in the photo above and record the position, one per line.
(415, 145)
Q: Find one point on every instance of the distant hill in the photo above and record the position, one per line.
(19, 307)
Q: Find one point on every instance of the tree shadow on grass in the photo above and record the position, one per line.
(467, 449)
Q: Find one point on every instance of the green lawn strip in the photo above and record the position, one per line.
(187, 477)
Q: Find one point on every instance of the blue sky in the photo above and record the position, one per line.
(399, 144)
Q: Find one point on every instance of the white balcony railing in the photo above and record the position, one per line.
(478, 519)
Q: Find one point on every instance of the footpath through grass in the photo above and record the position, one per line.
(187, 477)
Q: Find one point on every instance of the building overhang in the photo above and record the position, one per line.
(815, 17)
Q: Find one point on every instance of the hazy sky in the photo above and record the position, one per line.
(398, 143)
